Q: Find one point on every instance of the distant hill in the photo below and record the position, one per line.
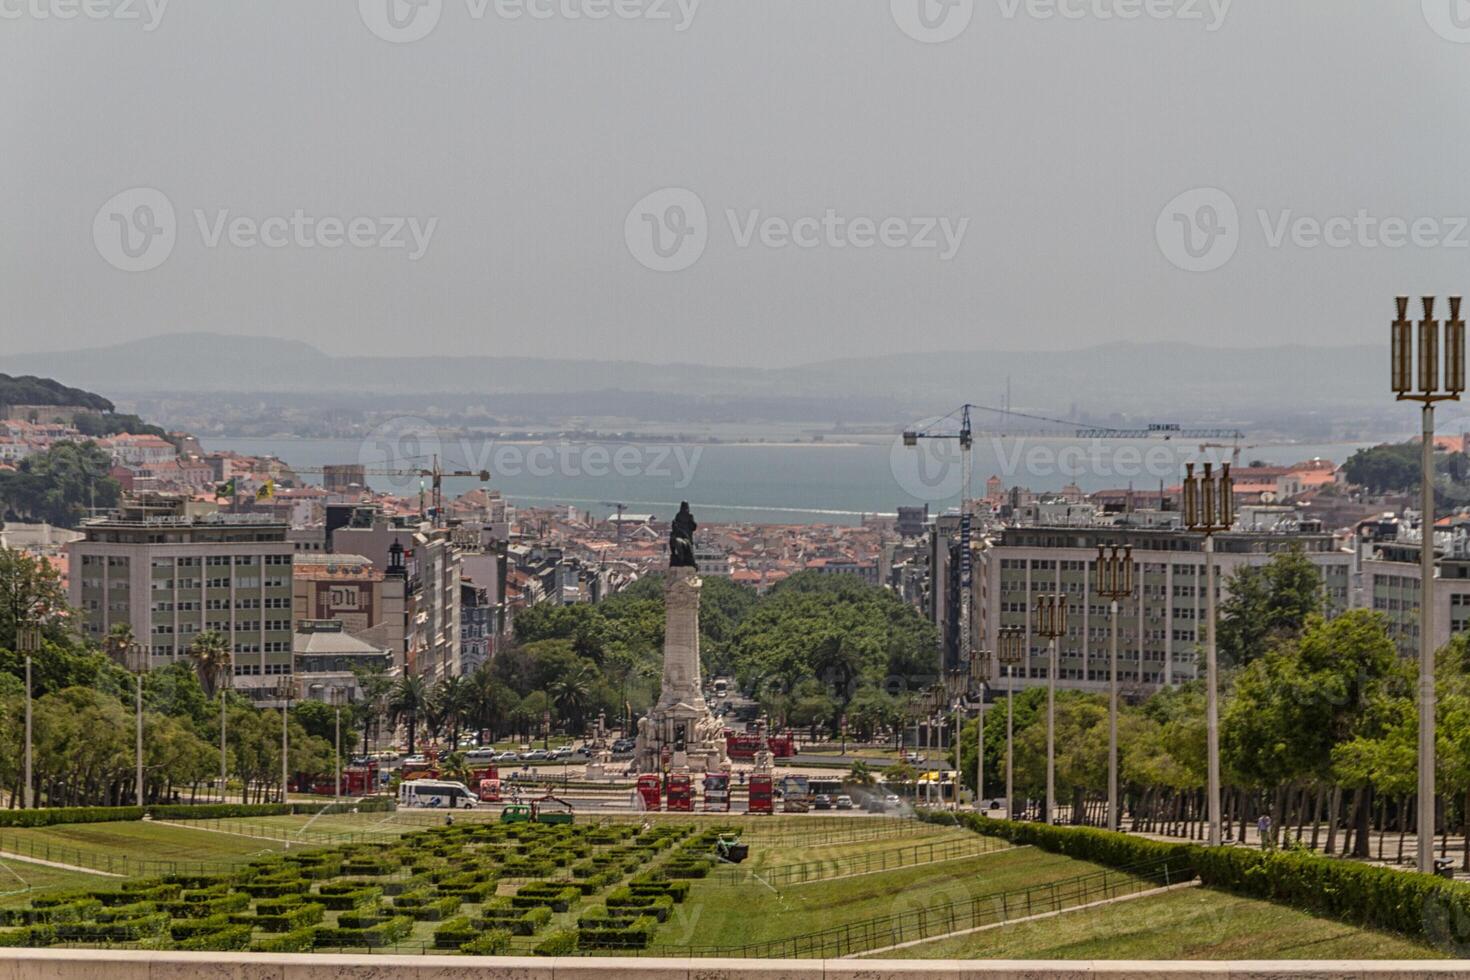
(1165, 381)
(30, 390)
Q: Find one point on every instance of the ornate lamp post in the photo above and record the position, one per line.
(979, 677)
(135, 660)
(1431, 390)
(956, 682)
(1209, 507)
(1114, 582)
(28, 642)
(1051, 622)
(337, 695)
(1010, 651)
(285, 691)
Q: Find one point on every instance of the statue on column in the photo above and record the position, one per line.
(681, 539)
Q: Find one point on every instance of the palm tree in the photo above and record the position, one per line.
(407, 703)
(376, 686)
(119, 639)
(452, 698)
(212, 661)
(572, 691)
(480, 701)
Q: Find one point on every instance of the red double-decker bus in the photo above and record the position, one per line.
(760, 794)
(744, 745)
(680, 793)
(649, 792)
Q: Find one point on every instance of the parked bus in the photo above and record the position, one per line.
(796, 794)
(760, 794)
(745, 745)
(680, 793)
(649, 793)
(435, 793)
(717, 792)
(487, 781)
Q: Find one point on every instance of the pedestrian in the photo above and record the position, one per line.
(1263, 827)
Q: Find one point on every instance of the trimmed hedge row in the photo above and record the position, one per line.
(1411, 904)
(562, 942)
(383, 934)
(50, 816)
(496, 942)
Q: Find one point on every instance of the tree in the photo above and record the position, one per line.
(407, 704)
(60, 485)
(1267, 603)
(210, 653)
(376, 687)
(31, 596)
(571, 693)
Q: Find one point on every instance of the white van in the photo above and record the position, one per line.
(435, 794)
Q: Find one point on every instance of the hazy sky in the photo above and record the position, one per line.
(1017, 185)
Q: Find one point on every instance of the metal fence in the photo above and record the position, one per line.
(884, 931)
(870, 862)
(117, 864)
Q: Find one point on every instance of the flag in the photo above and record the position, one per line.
(266, 491)
(226, 489)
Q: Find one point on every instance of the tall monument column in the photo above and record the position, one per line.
(681, 729)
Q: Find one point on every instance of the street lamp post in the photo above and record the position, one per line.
(137, 662)
(1431, 389)
(285, 689)
(29, 642)
(1051, 622)
(1114, 582)
(979, 676)
(956, 683)
(223, 771)
(1209, 507)
(1010, 651)
(336, 694)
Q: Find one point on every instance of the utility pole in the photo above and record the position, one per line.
(1011, 650)
(1114, 582)
(1209, 507)
(29, 642)
(1051, 622)
(1431, 390)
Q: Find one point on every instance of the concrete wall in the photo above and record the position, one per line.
(79, 964)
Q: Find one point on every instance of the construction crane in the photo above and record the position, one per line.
(435, 474)
(966, 437)
(1080, 430)
(1234, 447)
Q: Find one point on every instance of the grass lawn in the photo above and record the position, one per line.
(1194, 923)
(724, 913)
(91, 845)
(21, 881)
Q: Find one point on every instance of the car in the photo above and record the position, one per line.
(892, 802)
(536, 755)
(822, 802)
(843, 802)
(874, 804)
(582, 752)
(507, 756)
(565, 752)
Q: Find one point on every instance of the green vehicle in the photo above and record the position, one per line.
(550, 810)
(516, 813)
(731, 849)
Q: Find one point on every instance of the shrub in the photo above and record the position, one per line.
(214, 811)
(558, 898)
(230, 937)
(360, 899)
(289, 920)
(520, 922)
(50, 816)
(37, 935)
(455, 933)
(296, 941)
(275, 889)
(635, 935)
(562, 942)
(121, 931)
(425, 909)
(70, 911)
(384, 934)
(496, 942)
(189, 928)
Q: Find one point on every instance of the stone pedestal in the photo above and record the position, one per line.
(680, 727)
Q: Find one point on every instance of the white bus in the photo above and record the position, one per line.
(435, 794)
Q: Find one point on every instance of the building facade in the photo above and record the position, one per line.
(171, 577)
(1161, 629)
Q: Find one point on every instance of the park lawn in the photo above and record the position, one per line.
(21, 881)
(1189, 924)
(307, 829)
(854, 855)
(138, 841)
(724, 913)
